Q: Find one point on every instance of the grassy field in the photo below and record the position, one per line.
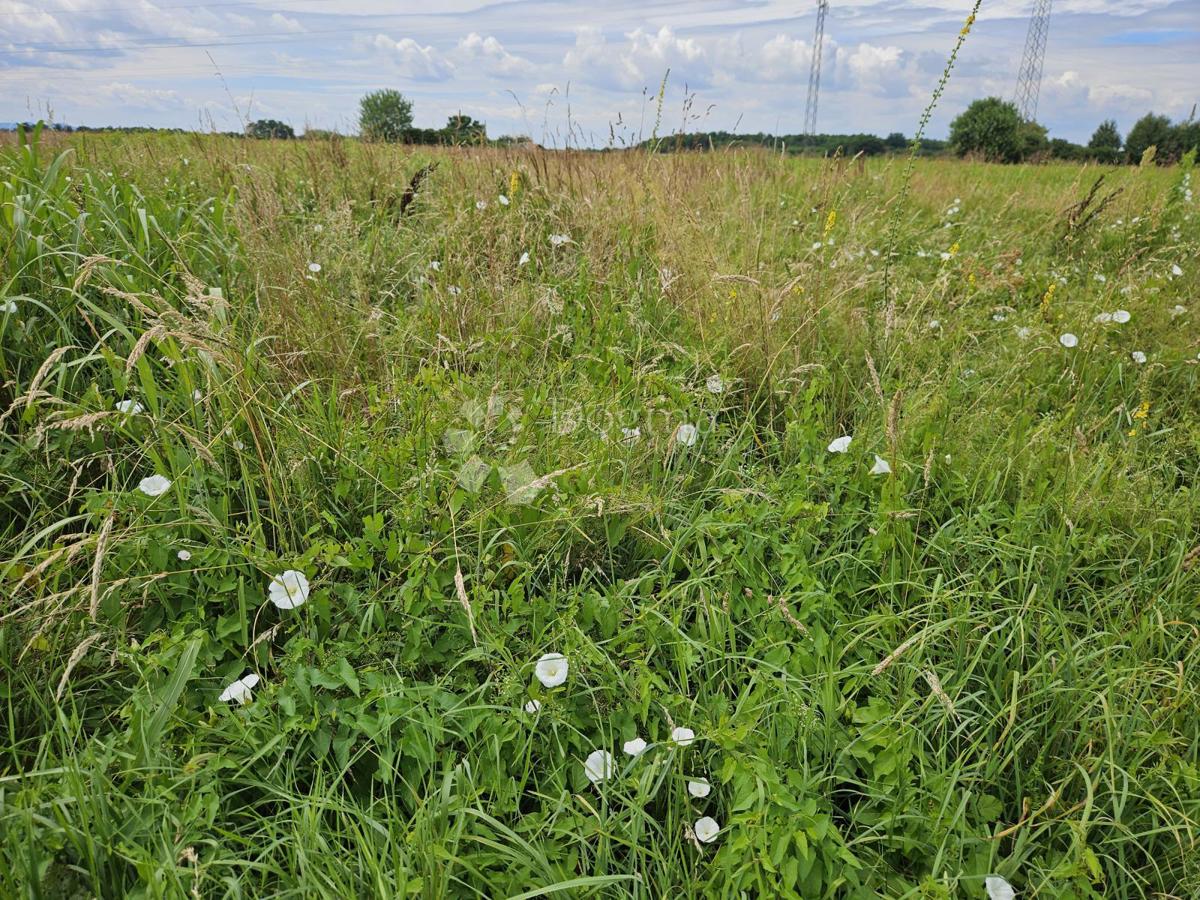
(584, 404)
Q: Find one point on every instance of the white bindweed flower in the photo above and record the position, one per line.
(1178, 310)
(598, 766)
(881, 466)
(435, 266)
(1175, 270)
(241, 690)
(714, 384)
(289, 589)
(533, 706)
(129, 407)
(154, 485)
(699, 788)
(1138, 357)
(1121, 316)
(636, 747)
(1068, 340)
(551, 669)
(557, 240)
(686, 434)
(706, 829)
(197, 395)
(998, 888)
(8, 306)
(481, 204)
(524, 260)
(454, 290)
(682, 736)
(840, 445)
(1024, 332)
(184, 555)
(503, 200)
(314, 268)
(998, 317)
(934, 325)
(816, 245)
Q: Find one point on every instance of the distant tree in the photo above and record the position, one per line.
(1062, 149)
(1185, 137)
(896, 141)
(1032, 140)
(384, 115)
(320, 134)
(270, 128)
(990, 128)
(1105, 145)
(462, 129)
(1149, 131)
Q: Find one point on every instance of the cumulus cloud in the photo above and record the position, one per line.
(281, 22)
(489, 54)
(412, 60)
(642, 59)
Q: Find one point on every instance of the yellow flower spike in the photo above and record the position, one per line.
(514, 183)
(830, 221)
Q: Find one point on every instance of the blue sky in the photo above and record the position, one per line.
(553, 68)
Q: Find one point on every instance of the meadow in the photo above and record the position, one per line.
(393, 522)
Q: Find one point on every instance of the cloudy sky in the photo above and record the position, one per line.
(587, 68)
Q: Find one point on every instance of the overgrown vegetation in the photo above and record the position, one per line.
(460, 418)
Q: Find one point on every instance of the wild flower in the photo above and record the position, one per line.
(454, 290)
(183, 555)
(1102, 318)
(934, 325)
(998, 889)
(314, 267)
(1121, 316)
(840, 445)
(129, 407)
(533, 706)
(682, 736)
(435, 265)
(8, 306)
(631, 435)
(551, 669)
(241, 690)
(598, 766)
(154, 485)
(502, 200)
(699, 788)
(636, 747)
(686, 434)
(999, 317)
(557, 240)
(1178, 310)
(481, 204)
(881, 466)
(706, 829)
(1138, 357)
(1024, 332)
(289, 589)
(1068, 340)
(1175, 270)
(714, 384)
(524, 260)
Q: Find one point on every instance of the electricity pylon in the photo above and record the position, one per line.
(1029, 81)
(814, 73)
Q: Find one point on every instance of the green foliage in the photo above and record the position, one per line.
(1105, 143)
(384, 115)
(270, 128)
(1149, 131)
(462, 129)
(992, 129)
(979, 663)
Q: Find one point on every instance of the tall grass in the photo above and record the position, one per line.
(984, 662)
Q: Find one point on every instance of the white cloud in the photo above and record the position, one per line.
(640, 61)
(489, 54)
(413, 60)
(284, 23)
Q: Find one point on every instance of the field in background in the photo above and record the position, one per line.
(460, 417)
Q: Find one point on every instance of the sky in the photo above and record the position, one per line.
(589, 72)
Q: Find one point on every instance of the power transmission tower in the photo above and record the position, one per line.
(814, 73)
(1029, 81)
